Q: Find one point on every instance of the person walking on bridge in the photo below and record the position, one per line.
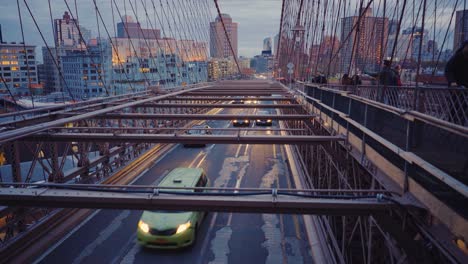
(456, 72)
(388, 76)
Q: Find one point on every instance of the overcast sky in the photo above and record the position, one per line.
(257, 19)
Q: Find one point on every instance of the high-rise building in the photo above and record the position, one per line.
(267, 45)
(130, 29)
(66, 33)
(219, 44)
(67, 38)
(18, 69)
(363, 52)
(461, 28)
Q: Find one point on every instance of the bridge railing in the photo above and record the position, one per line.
(448, 104)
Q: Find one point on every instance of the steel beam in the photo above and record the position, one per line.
(43, 197)
(133, 116)
(236, 93)
(183, 138)
(246, 105)
(109, 129)
(225, 98)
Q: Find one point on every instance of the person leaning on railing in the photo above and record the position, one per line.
(456, 72)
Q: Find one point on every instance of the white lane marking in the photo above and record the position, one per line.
(246, 149)
(241, 175)
(220, 245)
(66, 237)
(125, 250)
(206, 238)
(238, 150)
(130, 256)
(103, 236)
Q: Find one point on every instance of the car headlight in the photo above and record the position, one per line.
(269, 120)
(183, 227)
(258, 120)
(143, 226)
(246, 121)
(235, 121)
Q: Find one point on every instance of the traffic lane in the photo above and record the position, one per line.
(221, 167)
(263, 238)
(212, 165)
(88, 243)
(133, 251)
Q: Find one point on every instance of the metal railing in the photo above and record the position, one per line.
(448, 104)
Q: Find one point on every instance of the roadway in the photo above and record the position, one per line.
(109, 236)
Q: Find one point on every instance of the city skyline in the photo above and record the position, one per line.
(252, 26)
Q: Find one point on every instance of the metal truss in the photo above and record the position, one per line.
(137, 121)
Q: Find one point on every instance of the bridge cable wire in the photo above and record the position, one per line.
(56, 49)
(195, 32)
(26, 55)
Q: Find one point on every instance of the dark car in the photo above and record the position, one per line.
(263, 122)
(241, 122)
(238, 101)
(198, 130)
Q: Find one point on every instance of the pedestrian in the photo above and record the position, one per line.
(456, 72)
(387, 76)
(397, 70)
(356, 80)
(345, 80)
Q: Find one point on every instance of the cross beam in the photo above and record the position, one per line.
(224, 98)
(183, 138)
(196, 116)
(246, 105)
(58, 198)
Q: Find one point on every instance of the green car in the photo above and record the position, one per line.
(172, 229)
